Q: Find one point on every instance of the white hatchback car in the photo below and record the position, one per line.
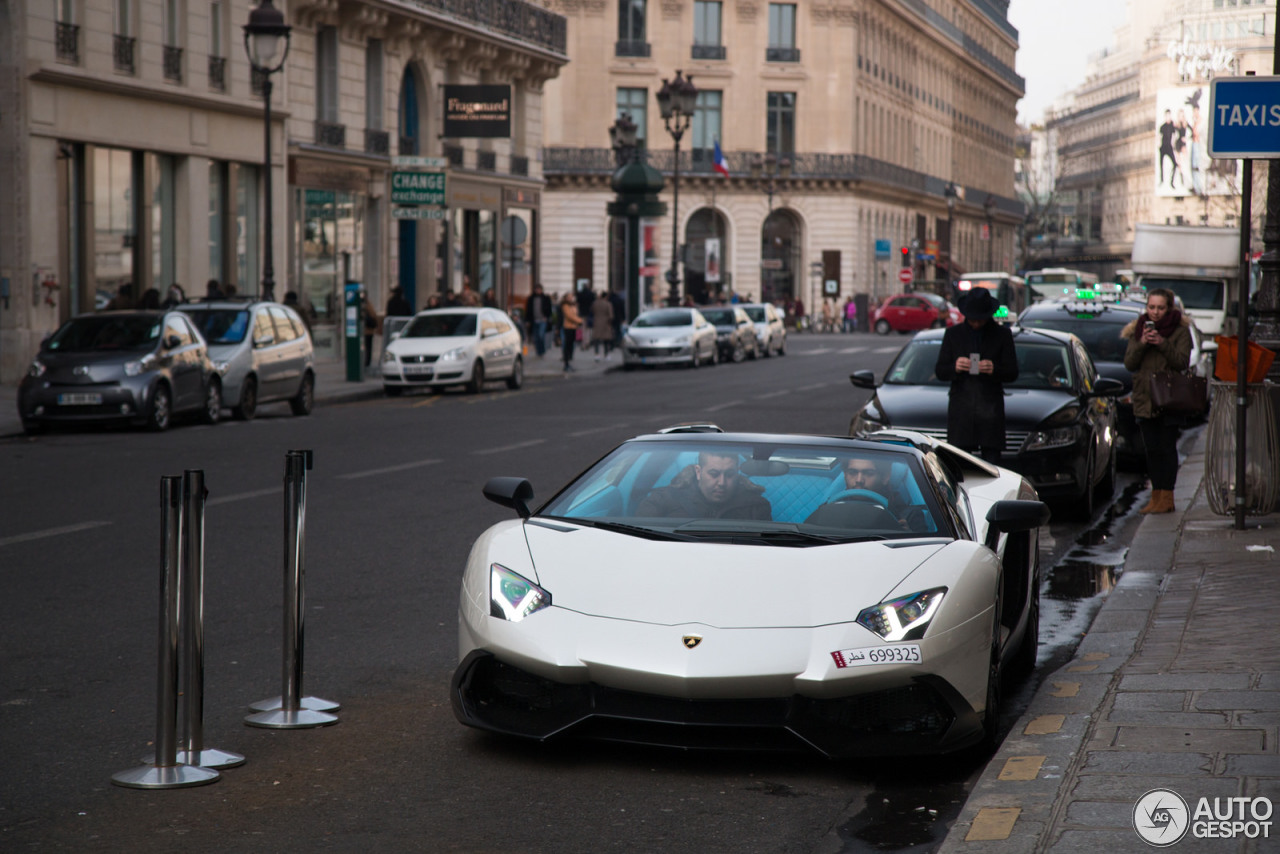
(770, 330)
(454, 346)
(666, 336)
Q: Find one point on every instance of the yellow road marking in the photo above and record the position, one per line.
(1045, 725)
(1095, 656)
(1065, 689)
(1021, 768)
(992, 823)
(1082, 668)
(430, 401)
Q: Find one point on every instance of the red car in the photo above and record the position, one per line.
(913, 312)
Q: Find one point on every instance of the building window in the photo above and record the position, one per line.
(706, 30)
(114, 221)
(217, 55)
(631, 31)
(632, 102)
(67, 32)
(217, 217)
(173, 40)
(780, 132)
(123, 41)
(328, 129)
(376, 140)
(705, 128)
(247, 229)
(782, 33)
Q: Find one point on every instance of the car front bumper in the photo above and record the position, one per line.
(657, 355)
(41, 402)
(440, 374)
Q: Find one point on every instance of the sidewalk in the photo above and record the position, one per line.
(332, 385)
(1175, 686)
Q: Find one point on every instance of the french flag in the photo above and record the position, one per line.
(718, 162)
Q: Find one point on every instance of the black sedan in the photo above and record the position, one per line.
(140, 367)
(735, 332)
(1060, 414)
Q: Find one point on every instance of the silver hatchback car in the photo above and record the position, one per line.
(262, 350)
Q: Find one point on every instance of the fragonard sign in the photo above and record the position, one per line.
(477, 111)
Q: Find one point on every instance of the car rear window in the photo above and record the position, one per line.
(106, 332)
(719, 316)
(220, 325)
(445, 325)
(1101, 335)
(664, 318)
(756, 313)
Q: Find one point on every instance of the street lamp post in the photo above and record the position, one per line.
(677, 99)
(989, 208)
(773, 167)
(266, 41)
(950, 193)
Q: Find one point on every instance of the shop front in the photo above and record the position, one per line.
(493, 241)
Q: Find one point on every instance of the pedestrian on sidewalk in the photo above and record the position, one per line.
(372, 324)
(601, 326)
(1159, 340)
(570, 328)
(850, 315)
(537, 312)
(977, 358)
(397, 305)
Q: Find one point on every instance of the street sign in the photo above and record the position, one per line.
(1244, 117)
(398, 212)
(407, 161)
(904, 275)
(417, 188)
(883, 249)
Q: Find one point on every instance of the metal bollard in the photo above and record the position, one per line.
(292, 710)
(165, 772)
(194, 752)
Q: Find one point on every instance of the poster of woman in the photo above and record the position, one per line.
(1183, 167)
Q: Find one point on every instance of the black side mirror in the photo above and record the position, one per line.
(1011, 515)
(1107, 387)
(513, 492)
(863, 379)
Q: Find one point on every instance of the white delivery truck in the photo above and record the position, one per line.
(1199, 264)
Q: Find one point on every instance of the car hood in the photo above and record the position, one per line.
(721, 585)
(223, 352)
(429, 346)
(98, 366)
(907, 406)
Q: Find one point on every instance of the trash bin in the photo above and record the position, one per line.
(1261, 484)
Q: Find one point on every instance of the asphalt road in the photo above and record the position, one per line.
(394, 504)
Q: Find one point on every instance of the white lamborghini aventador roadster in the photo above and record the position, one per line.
(706, 589)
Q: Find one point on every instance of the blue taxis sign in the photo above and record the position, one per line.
(1244, 117)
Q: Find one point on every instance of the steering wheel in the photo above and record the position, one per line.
(859, 495)
(1057, 377)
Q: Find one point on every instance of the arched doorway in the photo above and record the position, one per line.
(410, 131)
(706, 239)
(779, 256)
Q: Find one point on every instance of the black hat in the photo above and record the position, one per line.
(979, 305)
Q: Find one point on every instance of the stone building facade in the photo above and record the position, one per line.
(844, 123)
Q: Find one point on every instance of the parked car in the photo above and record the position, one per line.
(735, 333)
(451, 347)
(669, 336)
(771, 331)
(1097, 323)
(681, 638)
(912, 312)
(262, 350)
(1060, 414)
(141, 367)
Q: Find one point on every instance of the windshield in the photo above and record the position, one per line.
(107, 332)
(673, 317)
(1101, 337)
(443, 325)
(1040, 365)
(220, 325)
(756, 313)
(1194, 293)
(719, 316)
(754, 494)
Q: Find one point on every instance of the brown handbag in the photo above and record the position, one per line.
(1177, 393)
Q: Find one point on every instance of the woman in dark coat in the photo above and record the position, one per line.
(975, 407)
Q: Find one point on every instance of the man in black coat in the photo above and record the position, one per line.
(398, 306)
(711, 489)
(975, 406)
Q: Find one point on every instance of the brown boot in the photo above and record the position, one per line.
(1164, 502)
(1151, 502)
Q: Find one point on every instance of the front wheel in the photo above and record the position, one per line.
(1083, 505)
(160, 415)
(248, 405)
(305, 400)
(883, 327)
(739, 352)
(995, 697)
(1107, 486)
(477, 378)
(212, 410)
(517, 374)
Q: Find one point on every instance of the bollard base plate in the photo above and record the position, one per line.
(311, 704)
(164, 777)
(208, 758)
(285, 719)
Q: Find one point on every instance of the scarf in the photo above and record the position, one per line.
(1168, 324)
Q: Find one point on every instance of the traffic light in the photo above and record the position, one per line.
(906, 255)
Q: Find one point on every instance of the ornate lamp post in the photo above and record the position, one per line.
(622, 138)
(950, 193)
(677, 100)
(774, 167)
(989, 208)
(266, 41)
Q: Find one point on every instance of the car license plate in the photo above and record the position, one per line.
(418, 369)
(79, 399)
(903, 653)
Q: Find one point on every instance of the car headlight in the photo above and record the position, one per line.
(388, 356)
(1058, 437)
(455, 354)
(37, 368)
(512, 596)
(141, 366)
(683, 339)
(905, 618)
(222, 368)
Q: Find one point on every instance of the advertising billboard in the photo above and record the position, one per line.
(1183, 167)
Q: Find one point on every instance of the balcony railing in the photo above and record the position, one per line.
(524, 21)
(68, 39)
(123, 52)
(630, 47)
(173, 63)
(486, 161)
(218, 73)
(407, 146)
(709, 51)
(377, 142)
(519, 165)
(453, 153)
(331, 134)
(782, 54)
